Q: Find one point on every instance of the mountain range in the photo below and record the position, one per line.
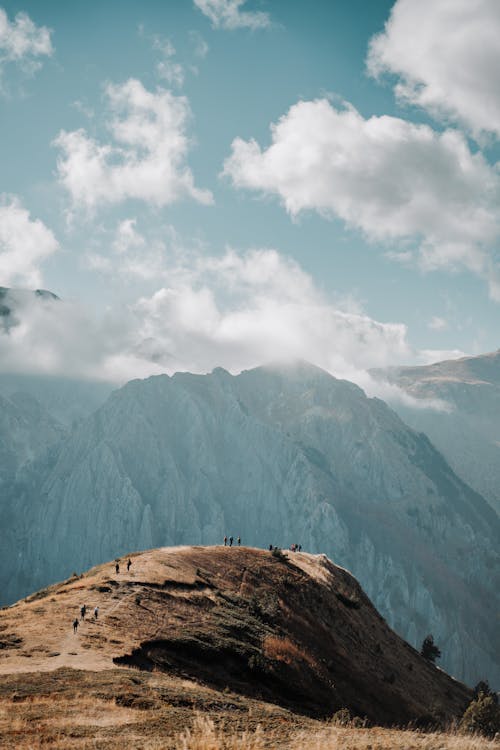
(278, 455)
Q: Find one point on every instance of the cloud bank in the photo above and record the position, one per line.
(24, 244)
(145, 160)
(234, 310)
(446, 56)
(398, 182)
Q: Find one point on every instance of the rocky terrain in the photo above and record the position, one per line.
(230, 630)
(278, 455)
(468, 431)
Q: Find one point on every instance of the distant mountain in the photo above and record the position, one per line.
(295, 631)
(469, 434)
(278, 455)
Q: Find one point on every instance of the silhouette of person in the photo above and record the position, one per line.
(225, 541)
(96, 613)
(239, 541)
(83, 610)
(117, 568)
(75, 624)
(129, 563)
(230, 541)
(270, 548)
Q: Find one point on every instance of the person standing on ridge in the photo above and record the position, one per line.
(239, 541)
(230, 541)
(75, 624)
(117, 568)
(129, 563)
(225, 541)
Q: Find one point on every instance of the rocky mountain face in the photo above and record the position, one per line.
(279, 456)
(468, 433)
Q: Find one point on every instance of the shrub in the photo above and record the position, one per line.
(483, 686)
(429, 649)
(342, 718)
(482, 716)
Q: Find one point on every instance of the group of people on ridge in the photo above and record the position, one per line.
(229, 542)
(83, 608)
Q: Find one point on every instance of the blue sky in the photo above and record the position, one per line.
(364, 234)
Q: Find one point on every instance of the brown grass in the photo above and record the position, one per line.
(285, 650)
(84, 722)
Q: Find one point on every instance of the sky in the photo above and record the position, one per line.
(214, 183)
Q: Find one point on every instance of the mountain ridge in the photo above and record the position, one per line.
(291, 629)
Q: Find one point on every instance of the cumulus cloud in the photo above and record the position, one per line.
(398, 182)
(446, 56)
(23, 42)
(145, 160)
(24, 244)
(228, 14)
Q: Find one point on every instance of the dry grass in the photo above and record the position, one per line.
(88, 722)
(285, 650)
(204, 735)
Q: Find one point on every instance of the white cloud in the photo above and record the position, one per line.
(201, 47)
(447, 57)
(171, 72)
(23, 42)
(24, 244)
(398, 182)
(228, 14)
(235, 311)
(127, 236)
(167, 69)
(146, 159)
(437, 324)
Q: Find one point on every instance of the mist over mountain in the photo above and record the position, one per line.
(279, 455)
(468, 434)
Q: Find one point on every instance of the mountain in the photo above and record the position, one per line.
(12, 300)
(292, 630)
(278, 455)
(468, 434)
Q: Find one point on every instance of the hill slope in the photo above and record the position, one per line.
(278, 455)
(298, 632)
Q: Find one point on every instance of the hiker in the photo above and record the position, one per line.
(83, 611)
(300, 548)
(270, 548)
(75, 624)
(292, 547)
(117, 568)
(96, 613)
(239, 541)
(230, 541)
(129, 563)
(225, 541)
